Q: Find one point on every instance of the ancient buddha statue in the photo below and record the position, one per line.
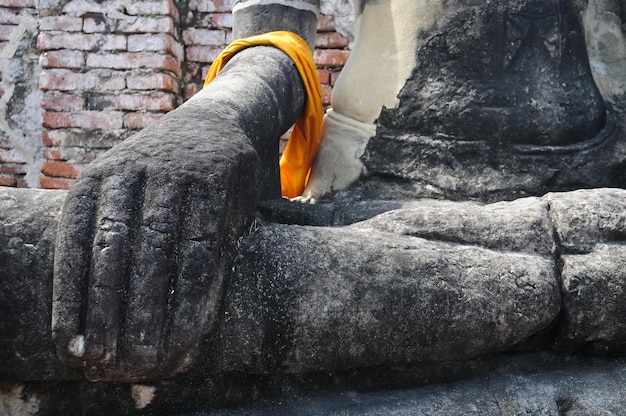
(419, 250)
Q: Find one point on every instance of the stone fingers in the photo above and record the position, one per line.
(117, 211)
(151, 272)
(197, 289)
(91, 266)
(165, 290)
(71, 267)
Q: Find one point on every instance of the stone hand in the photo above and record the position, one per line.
(145, 239)
(149, 230)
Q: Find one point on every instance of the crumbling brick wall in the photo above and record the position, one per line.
(107, 69)
(20, 127)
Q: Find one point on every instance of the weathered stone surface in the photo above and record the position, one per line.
(591, 231)
(509, 72)
(254, 18)
(438, 167)
(28, 221)
(501, 104)
(149, 230)
(147, 242)
(593, 300)
(367, 298)
(391, 277)
(522, 226)
(533, 385)
(538, 384)
(585, 218)
(356, 298)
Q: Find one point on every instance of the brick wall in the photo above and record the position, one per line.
(111, 68)
(14, 15)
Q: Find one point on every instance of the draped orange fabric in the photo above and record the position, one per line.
(295, 164)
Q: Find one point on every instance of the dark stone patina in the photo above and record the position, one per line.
(500, 105)
(175, 290)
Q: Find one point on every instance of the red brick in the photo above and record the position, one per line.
(81, 8)
(153, 102)
(76, 156)
(148, 25)
(191, 71)
(76, 138)
(54, 154)
(55, 183)
(197, 37)
(7, 180)
(54, 137)
(59, 169)
(137, 121)
(153, 81)
(324, 76)
(6, 31)
(333, 77)
(61, 23)
(14, 16)
(7, 17)
(105, 120)
(205, 54)
(325, 23)
(95, 25)
(151, 8)
(21, 182)
(133, 60)
(327, 92)
(62, 59)
(11, 156)
(64, 80)
(93, 154)
(205, 72)
(155, 43)
(14, 168)
(330, 40)
(210, 5)
(62, 102)
(56, 120)
(18, 3)
(192, 89)
(331, 57)
(81, 41)
(222, 20)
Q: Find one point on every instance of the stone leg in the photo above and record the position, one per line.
(438, 282)
(307, 299)
(431, 282)
(28, 222)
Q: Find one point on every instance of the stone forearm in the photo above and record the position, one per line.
(261, 93)
(253, 17)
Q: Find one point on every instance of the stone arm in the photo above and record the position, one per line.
(148, 232)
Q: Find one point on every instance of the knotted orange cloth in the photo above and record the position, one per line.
(295, 164)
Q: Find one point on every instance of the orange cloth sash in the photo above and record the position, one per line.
(295, 164)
